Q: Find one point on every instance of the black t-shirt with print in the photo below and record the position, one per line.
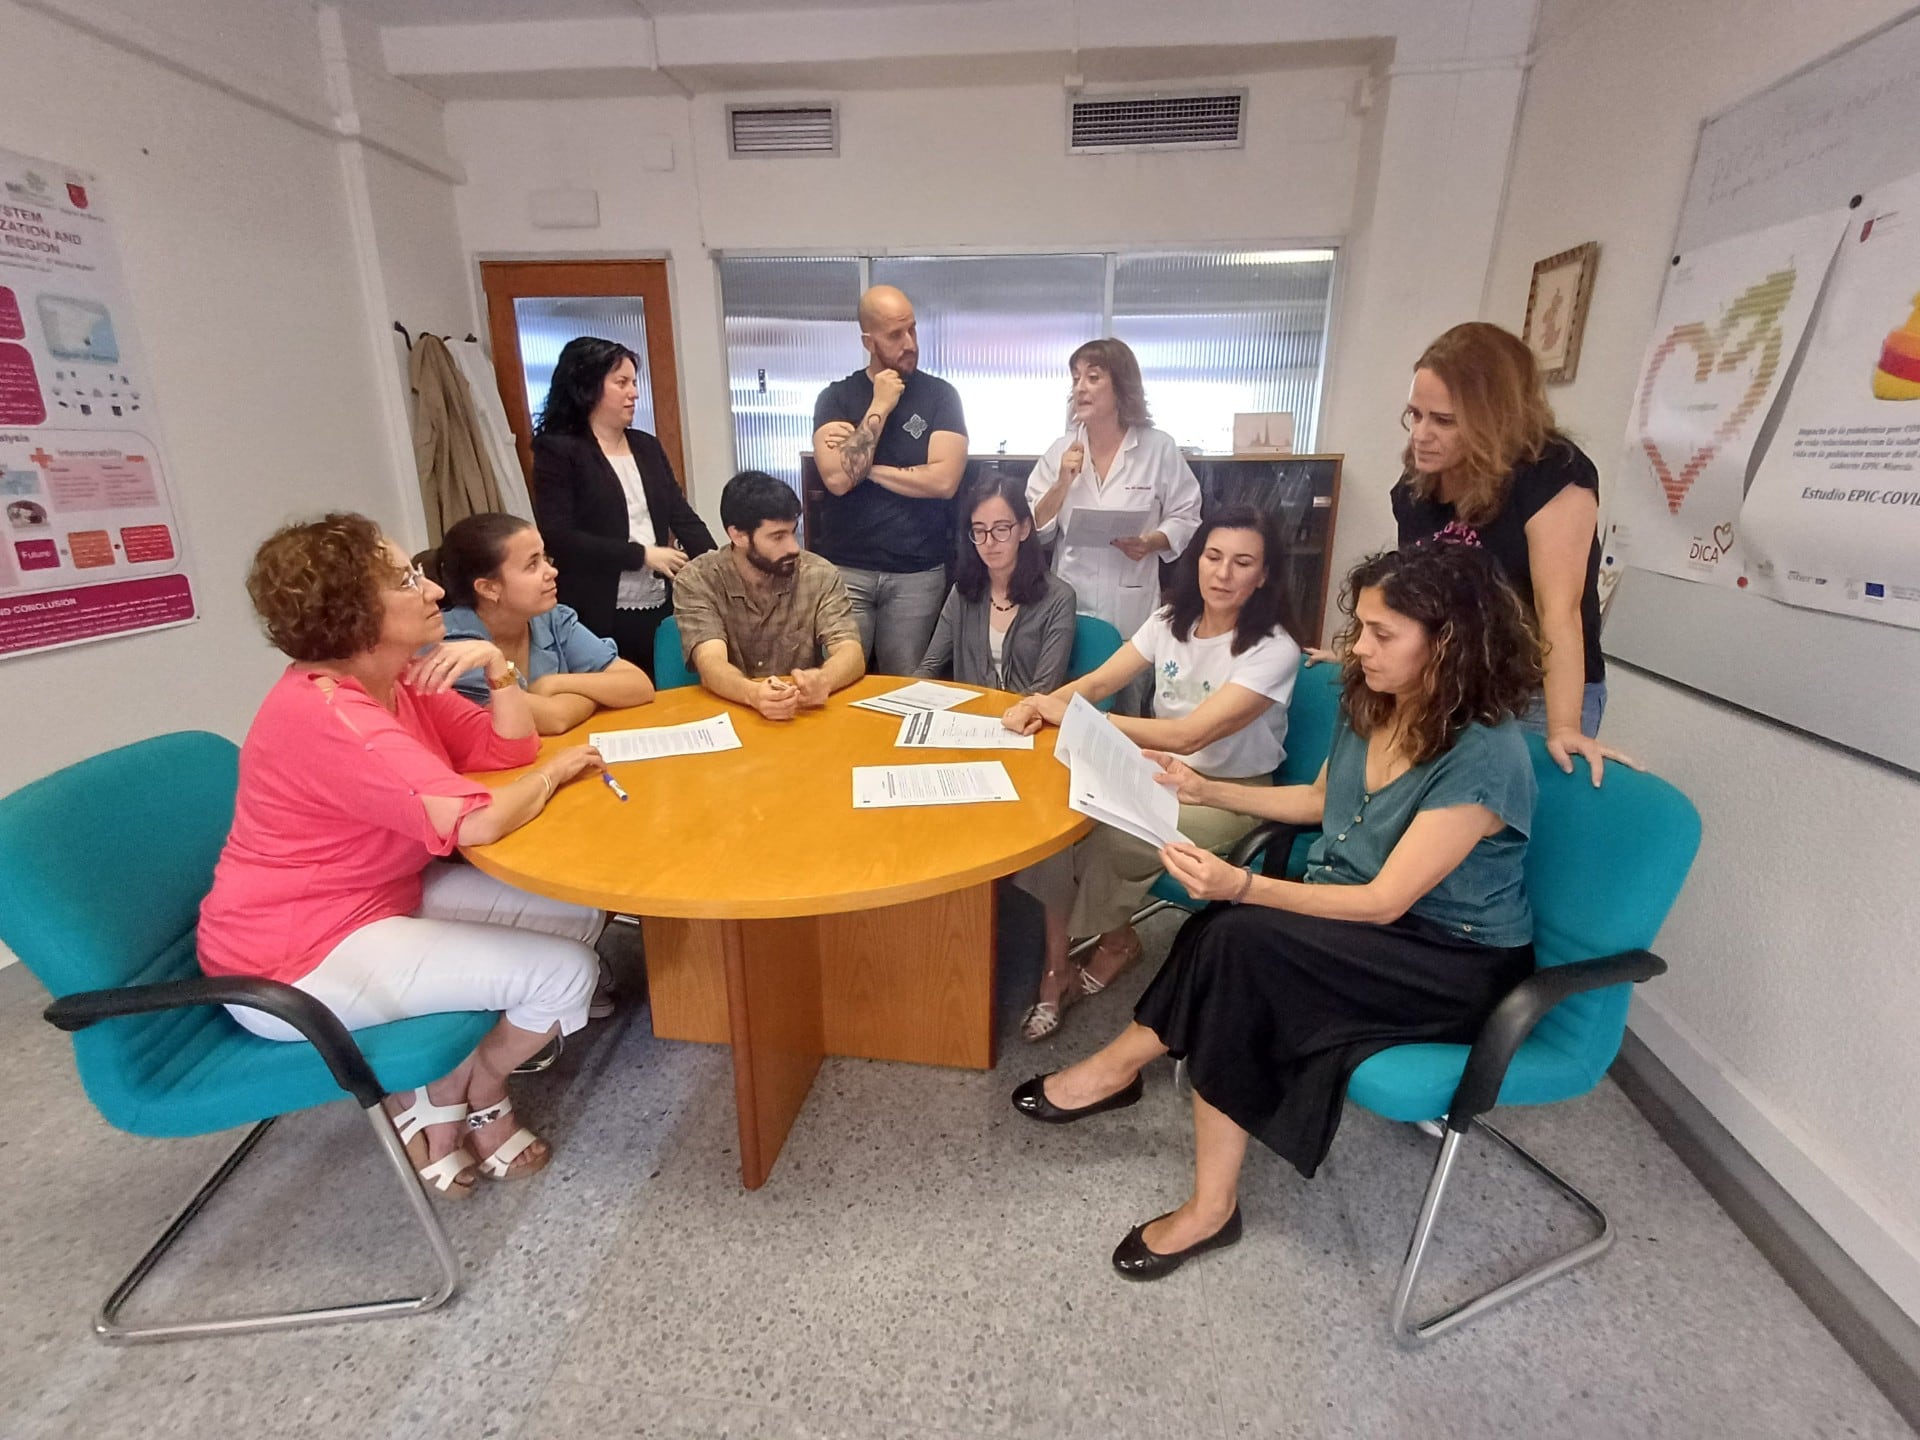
(1504, 537)
(870, 527)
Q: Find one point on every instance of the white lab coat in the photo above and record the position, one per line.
(1149, 473)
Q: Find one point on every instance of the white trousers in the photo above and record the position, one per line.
(474, 944)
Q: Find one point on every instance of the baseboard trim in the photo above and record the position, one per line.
(1881, 1337)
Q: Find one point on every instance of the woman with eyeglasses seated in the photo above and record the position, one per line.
(1222, 667)
(1112, 459)
(1410, 924)
(1007, 624)
(351, 789)
(501, 585)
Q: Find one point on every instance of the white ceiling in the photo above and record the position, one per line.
(487, 12)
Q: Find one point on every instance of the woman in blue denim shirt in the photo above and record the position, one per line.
(1411, 922)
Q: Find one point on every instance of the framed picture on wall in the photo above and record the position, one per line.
(1557, 310)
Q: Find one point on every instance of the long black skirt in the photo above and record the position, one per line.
(1273, 1011)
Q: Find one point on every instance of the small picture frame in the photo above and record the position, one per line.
(1557, 310)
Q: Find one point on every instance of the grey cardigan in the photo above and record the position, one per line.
(1038, 644)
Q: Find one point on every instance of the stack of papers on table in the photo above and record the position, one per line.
(696, 737)
(917, 699)
(943, 730)
(879, 787)
(1109, 780)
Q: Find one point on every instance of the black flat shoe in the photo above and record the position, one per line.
(1134, 1260)
(1031, 1101)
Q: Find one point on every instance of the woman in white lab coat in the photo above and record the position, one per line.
(1112, 460)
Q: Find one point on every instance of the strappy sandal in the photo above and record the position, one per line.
(443, 1174)
(1090, 984)
(499, 1165)
(1043, 1017)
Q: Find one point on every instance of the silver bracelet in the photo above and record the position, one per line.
(1245, 886)
(542, 777)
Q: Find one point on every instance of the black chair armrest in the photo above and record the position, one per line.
(1523, 1008)
(320, 1026)
(1271, 841)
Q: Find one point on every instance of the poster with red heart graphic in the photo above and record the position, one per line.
(1833, 519)
(1731, 318)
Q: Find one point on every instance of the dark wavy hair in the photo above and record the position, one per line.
(1485, 661)
(1029, 580)
(1117, 359)
(317, 586)
(474, 549)
(1261, 615)
(579, 376)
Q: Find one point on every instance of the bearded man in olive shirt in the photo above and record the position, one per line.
(891, 445)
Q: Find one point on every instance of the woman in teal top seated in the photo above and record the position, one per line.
(500, 586)
(1410, 924)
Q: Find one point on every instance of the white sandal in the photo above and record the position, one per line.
(499, 1165)
(443, 1174)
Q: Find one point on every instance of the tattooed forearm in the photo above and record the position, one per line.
(856, 452)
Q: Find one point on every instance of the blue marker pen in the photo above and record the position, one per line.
(613, 784)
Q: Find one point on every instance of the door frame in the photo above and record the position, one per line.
(591, 277)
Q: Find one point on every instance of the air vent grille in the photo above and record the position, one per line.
(1156, 122)
(783, 130)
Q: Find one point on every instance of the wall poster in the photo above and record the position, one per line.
(90, 539)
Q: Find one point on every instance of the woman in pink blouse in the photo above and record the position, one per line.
(350, 788)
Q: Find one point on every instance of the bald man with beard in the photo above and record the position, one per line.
(891, 444)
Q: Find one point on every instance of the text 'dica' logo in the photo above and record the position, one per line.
(1710, 549)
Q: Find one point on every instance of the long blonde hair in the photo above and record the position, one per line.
(1500, 408)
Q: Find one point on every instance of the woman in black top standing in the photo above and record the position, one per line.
(606, 500)
(1485, 463)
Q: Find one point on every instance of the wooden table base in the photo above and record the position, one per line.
(905, 982)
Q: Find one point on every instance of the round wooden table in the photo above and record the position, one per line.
(780, 919)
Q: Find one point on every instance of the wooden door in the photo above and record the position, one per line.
(535, 306)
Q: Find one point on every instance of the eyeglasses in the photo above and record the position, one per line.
(980, 534)
(413, 579)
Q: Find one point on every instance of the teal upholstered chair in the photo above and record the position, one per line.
(1094, 641)
(1310, 718)
(669, 664)
(1603, 868)
(102, 869)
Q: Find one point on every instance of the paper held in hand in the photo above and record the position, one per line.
(1109, 780)
(914, 699)
(880, 787)
(696, 737)
(944, 730)
(1095, 528)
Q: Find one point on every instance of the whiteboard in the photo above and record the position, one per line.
(1830, 131)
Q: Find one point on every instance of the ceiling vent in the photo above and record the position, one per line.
(783, 130)
(1156, 122)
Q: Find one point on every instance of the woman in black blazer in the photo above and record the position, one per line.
(606, 500)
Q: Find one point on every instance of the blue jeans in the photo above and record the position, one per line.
(1593, 704)
(896, 614)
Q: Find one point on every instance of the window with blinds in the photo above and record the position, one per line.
(1217, 332)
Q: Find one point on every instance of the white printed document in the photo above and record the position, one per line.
(1109, 780)
(914, 699)
(1094, 528)
(944, 730)
(696, 737)
(879, 787)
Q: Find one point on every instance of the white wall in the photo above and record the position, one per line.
(935, 169)
(247, 283)
(1792, 1000)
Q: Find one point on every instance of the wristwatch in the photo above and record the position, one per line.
(512, 677)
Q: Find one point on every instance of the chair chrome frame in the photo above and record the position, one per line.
(354, 1075)
(1412, 1334)
(107, 1326)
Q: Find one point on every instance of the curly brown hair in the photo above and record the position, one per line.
(318, 584)
(1501, 409)
(1485, 662)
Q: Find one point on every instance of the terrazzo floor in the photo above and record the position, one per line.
(923, 1263)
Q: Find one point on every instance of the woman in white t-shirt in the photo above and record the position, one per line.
(1113, 461)
(1223, 668)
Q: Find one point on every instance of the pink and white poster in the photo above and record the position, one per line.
(1731, 318)
(90, 538)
